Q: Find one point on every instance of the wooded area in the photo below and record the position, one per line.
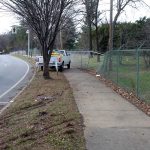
(127, 35)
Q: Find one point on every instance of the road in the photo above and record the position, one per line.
(14, 75)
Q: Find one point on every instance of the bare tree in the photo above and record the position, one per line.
(67, 36)
(89, 18)
(96, 15)
(92, 18)
(44, 18)
(119, 6)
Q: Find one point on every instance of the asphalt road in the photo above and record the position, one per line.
(14, 75)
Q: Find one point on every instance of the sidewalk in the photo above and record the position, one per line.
(111, 123)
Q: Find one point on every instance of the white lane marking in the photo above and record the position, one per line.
(18, 81)
(3, 103)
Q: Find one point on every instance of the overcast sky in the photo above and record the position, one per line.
(6, 21)
(129, 14)
(9, 19)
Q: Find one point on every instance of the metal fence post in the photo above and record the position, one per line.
(138, 69)
(137, 75)
(81, 60)
(118, 62)
(118, 52)
(89, 55)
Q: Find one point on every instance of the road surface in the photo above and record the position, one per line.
(14, 75)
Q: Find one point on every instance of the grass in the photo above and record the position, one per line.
(127, 76)
(27, 59)
(35, 123)
(85, 62)
(93, 63)
(129, 82)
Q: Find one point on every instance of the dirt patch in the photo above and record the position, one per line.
(44, 116)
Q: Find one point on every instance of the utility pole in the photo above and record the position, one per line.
(28, 32)
(111, 27)
(61, 40)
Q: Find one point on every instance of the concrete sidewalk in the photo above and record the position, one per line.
(111, 123)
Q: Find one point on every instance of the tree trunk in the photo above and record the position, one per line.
(98, 58)
(97, 39)
(90, 35)
(97, 45)
(46, 58)
(46, 74)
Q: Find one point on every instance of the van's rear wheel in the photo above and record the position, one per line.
(61, 68)
(68, 65)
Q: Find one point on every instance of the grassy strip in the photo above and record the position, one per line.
(27, 59)
(44, 116)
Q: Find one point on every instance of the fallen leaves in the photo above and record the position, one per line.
(130, 96)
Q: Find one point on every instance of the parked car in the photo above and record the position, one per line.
(59, 59)
(1, 52)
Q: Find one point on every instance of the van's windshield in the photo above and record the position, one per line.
(61, 52)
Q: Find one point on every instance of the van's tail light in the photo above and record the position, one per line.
(59, 59)
(37, 59)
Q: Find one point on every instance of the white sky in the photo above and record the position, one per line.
(9, 19)
(130, 14)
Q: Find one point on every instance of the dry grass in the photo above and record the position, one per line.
(35, 123)
(1, 106)
(27, 59)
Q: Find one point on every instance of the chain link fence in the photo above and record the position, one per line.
(129, 69)
(32, 53)
(88, 60)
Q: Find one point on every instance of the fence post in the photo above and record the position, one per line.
(138, 69)
(118, 52)
(118, 62)
(137, 75)
(81, 60)
(88, 60)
